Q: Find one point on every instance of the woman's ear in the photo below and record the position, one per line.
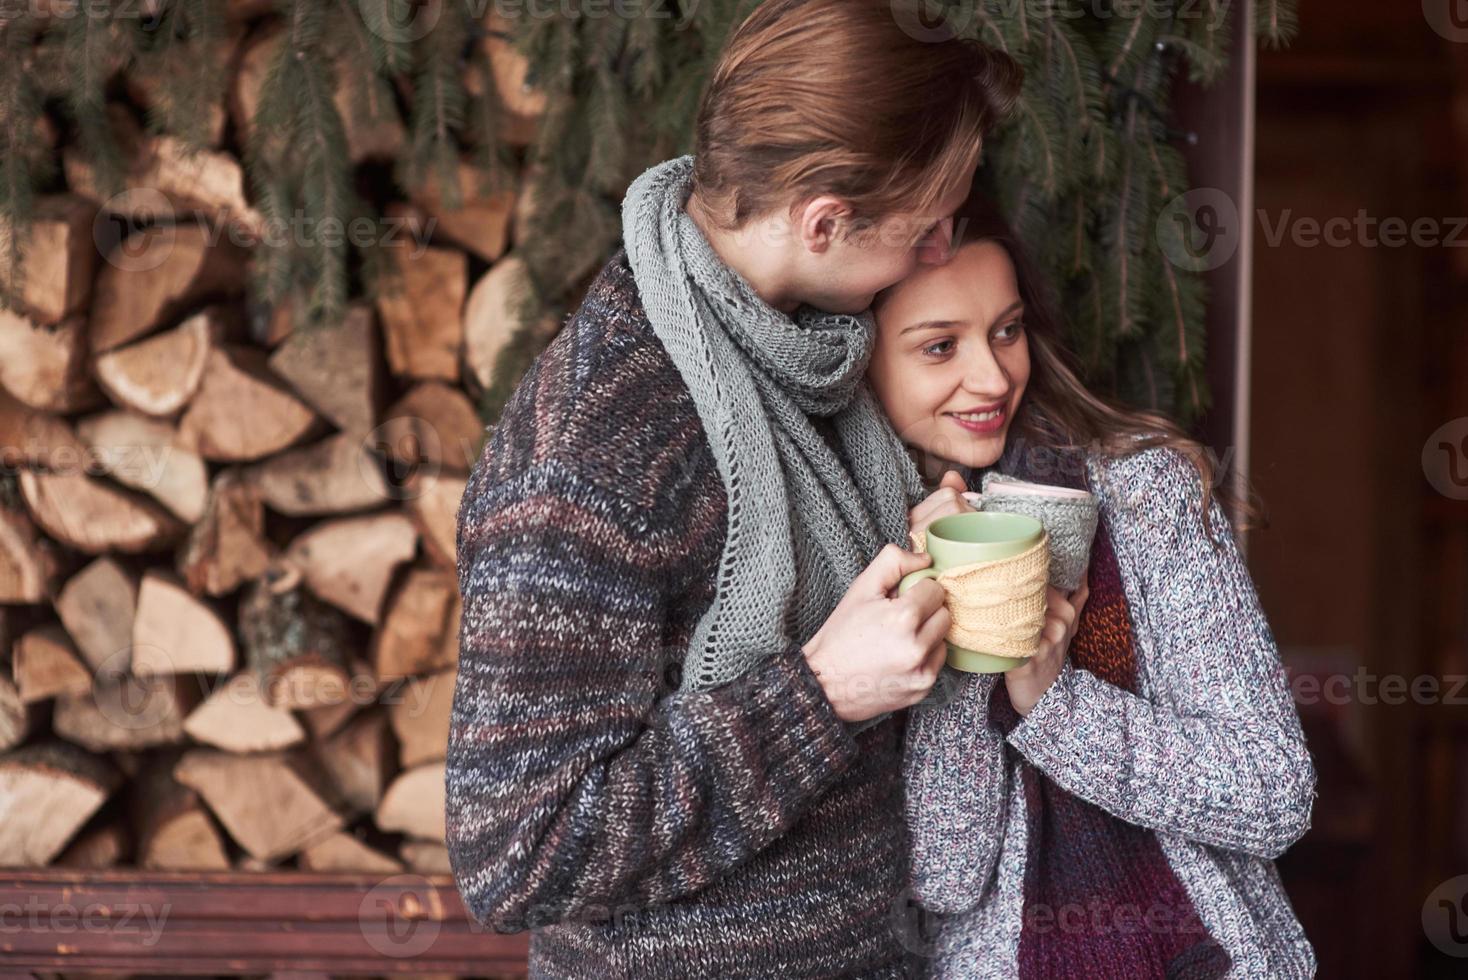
(820, 221)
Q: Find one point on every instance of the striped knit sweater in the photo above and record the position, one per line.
(1208, 752)
(640, 832)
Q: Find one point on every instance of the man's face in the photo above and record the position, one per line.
(863, 260)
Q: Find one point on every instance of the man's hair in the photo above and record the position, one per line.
(844, 97)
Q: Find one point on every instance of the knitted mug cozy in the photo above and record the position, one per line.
(996, 607)
(1070, 522)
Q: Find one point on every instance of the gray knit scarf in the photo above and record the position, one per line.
(802, 523)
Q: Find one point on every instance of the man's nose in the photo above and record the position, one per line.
(938, 248)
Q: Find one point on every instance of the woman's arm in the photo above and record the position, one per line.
(576, 781)
(1217, 754)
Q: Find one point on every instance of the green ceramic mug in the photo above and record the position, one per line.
(962, 539)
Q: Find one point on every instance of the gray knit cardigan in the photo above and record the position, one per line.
(1209, 755)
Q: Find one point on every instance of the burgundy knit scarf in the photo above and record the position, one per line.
(1100, 899)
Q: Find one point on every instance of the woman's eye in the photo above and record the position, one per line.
(1015, 328)
(932, 349)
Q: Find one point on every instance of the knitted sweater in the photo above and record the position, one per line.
(1208, 753)
(742, 831)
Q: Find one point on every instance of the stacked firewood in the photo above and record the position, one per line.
(228, 603)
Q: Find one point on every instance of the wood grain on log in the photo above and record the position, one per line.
(159, 375)
(48, 790)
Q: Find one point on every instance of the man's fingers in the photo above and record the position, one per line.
(928, 596)
(935, 627)
(887, 569)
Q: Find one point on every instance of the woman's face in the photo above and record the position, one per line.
(951, 348)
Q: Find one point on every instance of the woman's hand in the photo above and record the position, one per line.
(947, 499)
(1032, 679)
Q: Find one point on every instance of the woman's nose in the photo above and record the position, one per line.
(982, 374)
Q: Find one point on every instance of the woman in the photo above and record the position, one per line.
(1111, 808)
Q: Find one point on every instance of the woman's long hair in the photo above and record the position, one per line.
(1057, 412)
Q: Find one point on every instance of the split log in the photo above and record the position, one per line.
(419, 713)
(27, 563)
(155, 275)
(175, 633)
(419, 634)
(426, 857)
(432, 501)
(349, 562)
(296, 644)
(48, 791)
(334, 368)
(16, 717)
(228, 546)
(94, 516)
(97, 606)
(378, 133)
(481, 222)
(491, 320)
(30, 437)
(127, 712)
(433, 427)
(414, 803)
(273, 804)
(144, 454)
(521, 104)
(160, 91)
(198, 181)
(104, 846)
(241, 412)
(174, 831)
(59, 257)
(422, 309)
(362, 690)
(345, 853)
(47, 664)
(46, 367)
(236, 718)
(159, 375)
(359, 759)
(333, 476)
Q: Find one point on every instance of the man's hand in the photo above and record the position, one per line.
(878, 653)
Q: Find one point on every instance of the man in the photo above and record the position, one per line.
(671, 750)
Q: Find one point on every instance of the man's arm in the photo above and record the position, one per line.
(575, 780)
